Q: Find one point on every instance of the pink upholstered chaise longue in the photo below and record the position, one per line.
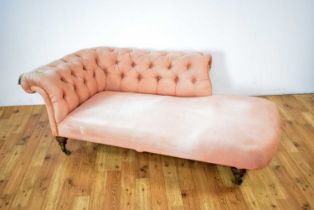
(154, 101)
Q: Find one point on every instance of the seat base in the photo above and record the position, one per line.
(235, 131)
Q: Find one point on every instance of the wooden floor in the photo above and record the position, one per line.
(34, 174)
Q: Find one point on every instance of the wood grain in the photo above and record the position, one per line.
(35, 174)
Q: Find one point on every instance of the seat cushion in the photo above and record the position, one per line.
(235, 131)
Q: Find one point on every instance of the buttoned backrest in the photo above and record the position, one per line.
(71, 80)
(155, 72)
(141, 71)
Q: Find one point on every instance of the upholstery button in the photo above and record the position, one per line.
(158, 78)
(188, 66)
(176, 79)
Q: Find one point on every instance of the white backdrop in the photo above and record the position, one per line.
(259, 47)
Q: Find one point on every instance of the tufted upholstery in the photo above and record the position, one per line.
(99, 95)
(68, 82)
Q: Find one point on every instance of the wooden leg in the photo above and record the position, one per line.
(62, 141)
(238, 175)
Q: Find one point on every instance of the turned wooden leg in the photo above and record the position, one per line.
(62, 141)
(238, 175)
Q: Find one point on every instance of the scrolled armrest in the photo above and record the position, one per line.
(64, 84)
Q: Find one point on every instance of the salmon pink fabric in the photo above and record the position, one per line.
(157, 102)
(71, 80)
(229, 130)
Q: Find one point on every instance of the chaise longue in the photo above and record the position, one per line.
(154, 101)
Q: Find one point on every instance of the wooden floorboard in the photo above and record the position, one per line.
(34, 174)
